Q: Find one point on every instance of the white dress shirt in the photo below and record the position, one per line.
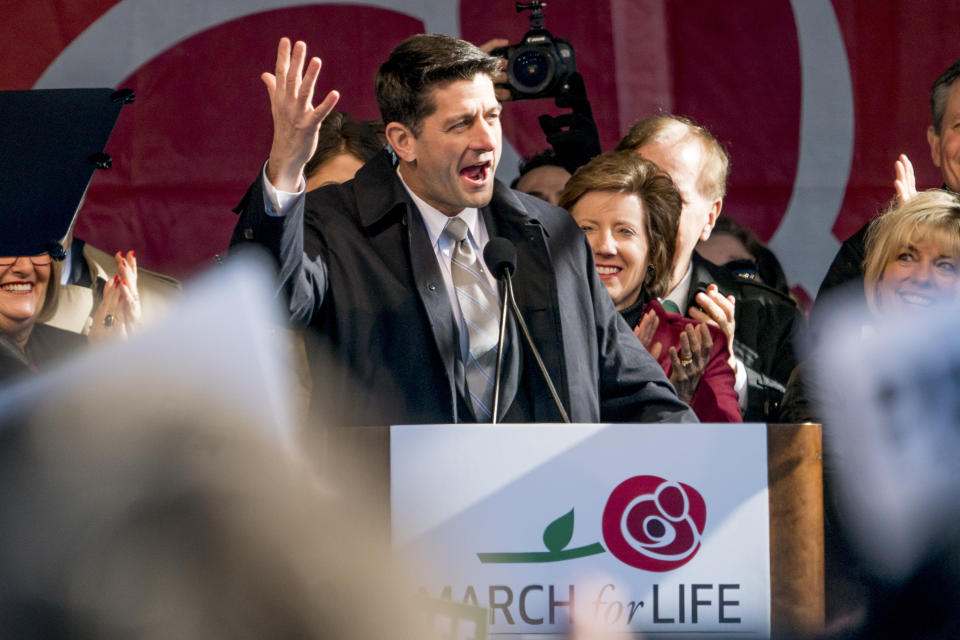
(279, 203)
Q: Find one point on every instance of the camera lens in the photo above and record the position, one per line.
(531, 70)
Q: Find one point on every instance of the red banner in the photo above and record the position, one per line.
(813, 99)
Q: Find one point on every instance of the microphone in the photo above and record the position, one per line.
(501, 257)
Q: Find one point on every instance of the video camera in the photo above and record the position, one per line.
(541, 65)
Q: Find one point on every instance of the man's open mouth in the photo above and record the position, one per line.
(476, 174)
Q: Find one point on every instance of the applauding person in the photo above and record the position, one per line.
(630, 213)
(761, 324)
(28, 294)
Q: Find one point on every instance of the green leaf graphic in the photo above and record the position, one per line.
(558, 533)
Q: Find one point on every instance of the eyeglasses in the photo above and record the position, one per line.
(39, 260)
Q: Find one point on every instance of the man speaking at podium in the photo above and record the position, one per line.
(387, 268)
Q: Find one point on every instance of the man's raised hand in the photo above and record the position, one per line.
(296, 121)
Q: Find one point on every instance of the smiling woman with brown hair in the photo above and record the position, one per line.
(630, 212)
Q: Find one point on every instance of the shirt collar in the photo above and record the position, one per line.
(66, 272)
(436, 220)
(682, 290)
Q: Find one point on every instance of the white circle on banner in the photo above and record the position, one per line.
(803, 241)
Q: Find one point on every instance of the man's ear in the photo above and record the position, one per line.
(711, 219)
(402, 140)
(933, 139)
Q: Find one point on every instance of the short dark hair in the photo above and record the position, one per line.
(545, 158)
(416, 66)
(769, 269)
(712, 182)
(340, 133)
(939, 91)
(628, 173)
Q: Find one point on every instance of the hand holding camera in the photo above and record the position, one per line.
(539, 66)
(542, 66)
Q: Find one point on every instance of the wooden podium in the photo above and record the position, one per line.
(795, 480)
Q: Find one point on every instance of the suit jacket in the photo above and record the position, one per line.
(715, 399)
(765, 339)
(847, 265)
(90, 269)
(356, 264)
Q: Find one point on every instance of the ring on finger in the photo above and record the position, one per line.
(108, 320)
(686, 361)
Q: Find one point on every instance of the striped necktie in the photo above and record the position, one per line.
(479, 305)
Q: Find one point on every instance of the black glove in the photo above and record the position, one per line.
(573, 136)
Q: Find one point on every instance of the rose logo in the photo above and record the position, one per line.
(654, 524)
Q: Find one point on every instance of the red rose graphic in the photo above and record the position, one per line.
(654, 524)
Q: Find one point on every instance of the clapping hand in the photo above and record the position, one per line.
(687, 362)
(119, 313)
(720, 311)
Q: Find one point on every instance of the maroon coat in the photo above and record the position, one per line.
(715, 399)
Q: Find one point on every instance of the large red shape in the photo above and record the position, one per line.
(896, 51)
(200, 129)
(746, 90)
(34, 33)
(654, 524)
(736, 70)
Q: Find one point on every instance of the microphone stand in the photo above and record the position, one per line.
(501, 257)
(504, 284)
(533, 348)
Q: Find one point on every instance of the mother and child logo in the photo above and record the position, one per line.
(648, 523)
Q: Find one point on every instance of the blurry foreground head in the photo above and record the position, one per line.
(121, 522)
(156, 489)
(150, 519)
(630, 210)
(891, 395)
(913, 254)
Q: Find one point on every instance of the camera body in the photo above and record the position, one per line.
(540, 65)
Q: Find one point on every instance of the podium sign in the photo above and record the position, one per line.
(649, 529)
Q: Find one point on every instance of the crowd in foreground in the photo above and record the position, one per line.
(643, 303)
